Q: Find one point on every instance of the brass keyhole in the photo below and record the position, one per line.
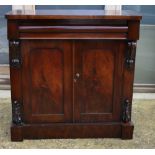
(77, 75)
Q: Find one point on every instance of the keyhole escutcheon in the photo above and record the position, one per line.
(77, 75)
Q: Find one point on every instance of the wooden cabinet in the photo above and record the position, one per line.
(72, 74)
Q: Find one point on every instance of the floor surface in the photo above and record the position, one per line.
(143, 116)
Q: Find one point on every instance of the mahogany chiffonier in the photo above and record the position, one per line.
(72, 73)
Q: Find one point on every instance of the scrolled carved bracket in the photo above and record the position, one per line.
(15, 59)
(130, 55)
(16, 112)
(126, 111)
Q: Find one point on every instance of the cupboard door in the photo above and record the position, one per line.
(98, 73)
(47, 80)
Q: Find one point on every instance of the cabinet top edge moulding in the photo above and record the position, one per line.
(73, 14)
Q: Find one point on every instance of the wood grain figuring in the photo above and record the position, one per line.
(72, 73)
(96, 86)
(96, 96)
(47, 95)
(46, 83)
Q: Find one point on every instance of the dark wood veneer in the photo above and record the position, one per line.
(72, 73)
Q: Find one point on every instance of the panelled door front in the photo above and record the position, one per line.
(47, 80)
(98, 73)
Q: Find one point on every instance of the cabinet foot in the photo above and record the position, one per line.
(127, 130)
(16, 133)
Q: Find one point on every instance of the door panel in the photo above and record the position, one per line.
(47, 73)
(98, 85)
(45, 87)
(95, 64)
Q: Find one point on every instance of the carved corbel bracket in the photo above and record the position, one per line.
(126, 111)
(130, 55)
(16, 113)
(15, 58)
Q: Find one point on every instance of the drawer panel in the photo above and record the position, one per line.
(73, 32)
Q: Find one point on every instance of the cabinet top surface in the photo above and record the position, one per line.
(73, 14)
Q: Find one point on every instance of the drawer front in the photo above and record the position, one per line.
(46, 80)
(98, 76)
(73, 32)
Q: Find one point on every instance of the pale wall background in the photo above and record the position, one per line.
(145, 63)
